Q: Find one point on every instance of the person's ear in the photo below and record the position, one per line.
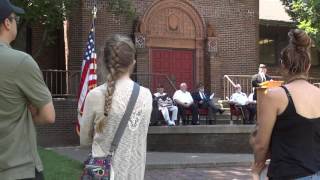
(6, 24)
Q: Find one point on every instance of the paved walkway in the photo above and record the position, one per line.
(184, 166)
(169, 160)
(217, 173)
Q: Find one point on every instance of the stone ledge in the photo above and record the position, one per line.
(201, 129)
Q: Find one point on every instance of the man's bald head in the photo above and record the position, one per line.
(183, 87)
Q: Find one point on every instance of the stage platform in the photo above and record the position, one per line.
(200, 139)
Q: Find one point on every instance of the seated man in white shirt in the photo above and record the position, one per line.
(184, 101)
(239, 98)
(165, 104)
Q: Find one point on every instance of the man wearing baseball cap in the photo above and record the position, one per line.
(24, 101)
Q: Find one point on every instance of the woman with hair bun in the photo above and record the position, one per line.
(288, 130)
(105, 106)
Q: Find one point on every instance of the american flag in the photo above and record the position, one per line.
(88, 73)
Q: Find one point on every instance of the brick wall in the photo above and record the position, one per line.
(62, 132)
(236, 26)
(199, 143)
(235, 23)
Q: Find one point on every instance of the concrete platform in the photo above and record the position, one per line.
(200, 139)
(201, 129)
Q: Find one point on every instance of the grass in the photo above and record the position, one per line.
(58, 167)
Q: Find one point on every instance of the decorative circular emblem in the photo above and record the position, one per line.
(173, 22)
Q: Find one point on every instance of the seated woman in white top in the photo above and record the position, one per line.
(105, 106)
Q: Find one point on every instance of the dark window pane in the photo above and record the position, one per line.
(315, 56)
(267, 51)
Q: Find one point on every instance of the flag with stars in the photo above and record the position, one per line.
(88, 73)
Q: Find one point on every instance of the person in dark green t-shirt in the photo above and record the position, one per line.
(24, 101)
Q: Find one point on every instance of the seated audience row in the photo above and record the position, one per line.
(184, 101)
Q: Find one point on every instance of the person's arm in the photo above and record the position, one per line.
(87, 119)
(30, 82)
(254, 81)
(212, 95)
(190, 99)
(43, 115)
(268, 78)
(269, 105)
(176, 98)
(196, 97)
(147, 111)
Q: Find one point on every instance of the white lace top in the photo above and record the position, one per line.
(130, 156)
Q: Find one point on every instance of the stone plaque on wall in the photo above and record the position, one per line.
(140, 40)
(212, 44)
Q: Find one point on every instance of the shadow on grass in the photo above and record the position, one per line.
(58, 167)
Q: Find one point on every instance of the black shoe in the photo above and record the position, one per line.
(221, 111)
(196, 123)
(251, 122)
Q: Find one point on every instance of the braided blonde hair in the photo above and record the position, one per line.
(119, 55)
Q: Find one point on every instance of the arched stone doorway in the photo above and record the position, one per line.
(173, 38)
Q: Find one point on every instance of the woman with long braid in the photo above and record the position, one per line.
(289, 122)
(105, 106)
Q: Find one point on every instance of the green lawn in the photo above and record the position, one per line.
(58, 167)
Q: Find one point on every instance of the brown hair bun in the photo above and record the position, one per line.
(299, 38)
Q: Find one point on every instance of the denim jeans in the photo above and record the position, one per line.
(315, 176)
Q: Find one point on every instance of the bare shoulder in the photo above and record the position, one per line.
(275, 93)
(277, 98)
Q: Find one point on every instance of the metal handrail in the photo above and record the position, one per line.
(65, 83)
(245, 82)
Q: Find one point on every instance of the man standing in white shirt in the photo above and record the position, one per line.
(185, 101)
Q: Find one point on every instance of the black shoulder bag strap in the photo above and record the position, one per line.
(125, 119)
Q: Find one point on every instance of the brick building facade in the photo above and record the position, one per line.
(221, 36)
(190, 40)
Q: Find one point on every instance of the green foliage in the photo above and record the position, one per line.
(307, 14)
(49, 13)
(122, 7)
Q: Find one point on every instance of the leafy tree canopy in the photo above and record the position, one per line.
(51, 14)
(307, 15)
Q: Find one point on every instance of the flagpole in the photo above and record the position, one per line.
(94, 16)
(88, 78)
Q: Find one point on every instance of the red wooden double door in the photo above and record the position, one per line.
(177, 64)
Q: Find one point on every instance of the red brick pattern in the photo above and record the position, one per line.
(235, 24)
(62, 132)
